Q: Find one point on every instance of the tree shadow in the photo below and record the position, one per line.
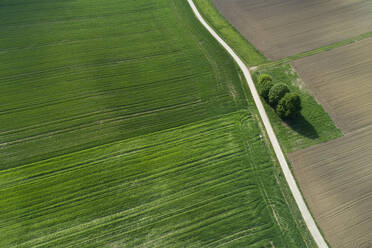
(302, 126)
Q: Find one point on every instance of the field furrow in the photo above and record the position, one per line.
(124, 124)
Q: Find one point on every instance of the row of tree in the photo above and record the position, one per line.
(286, 104)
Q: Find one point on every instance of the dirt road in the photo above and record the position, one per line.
(310, 223)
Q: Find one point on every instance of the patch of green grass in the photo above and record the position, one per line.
(247, 52)
(125, 124)
(312, 126)
(318, 50)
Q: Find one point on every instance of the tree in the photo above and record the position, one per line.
(264, 77)
(265, 83)
(289, 105)
(276, 93)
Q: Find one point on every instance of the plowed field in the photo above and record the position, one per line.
(336, 176)
(336, 179)
(341, 81)
(279, 28)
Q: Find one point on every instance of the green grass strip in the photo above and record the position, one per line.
(318, 50)
(247, 52)
(314, 126)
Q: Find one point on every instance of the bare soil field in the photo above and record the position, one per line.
(279, 28)
(336, 180)
(336, 177)
(340, 80)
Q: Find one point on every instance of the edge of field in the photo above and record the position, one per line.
(288, 215)
(314, 125)
(280, 178)
(319, 50)
(286, 74)
(308, 229)
(204, 6)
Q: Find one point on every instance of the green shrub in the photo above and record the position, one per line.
(289, 105)
(265, 83)
(276, 93)
(264, 77)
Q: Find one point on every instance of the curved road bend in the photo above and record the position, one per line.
(310, 223)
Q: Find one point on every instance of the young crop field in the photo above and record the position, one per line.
(280, 28)
(334, 176)
(72, 79)
(206, 184)
(124, 124)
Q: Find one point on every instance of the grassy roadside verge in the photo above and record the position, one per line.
(287, 208)
(247, 52)
(287, 213)
(314, 126)
(213, 186)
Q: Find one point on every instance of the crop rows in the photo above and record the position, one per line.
(335, 176)
(124, 124)
(86, 82)
(186, 185)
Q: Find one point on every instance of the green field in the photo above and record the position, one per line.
(79, 81)
(314, 125)
(124, 124)
(245, 50)
(205, 184)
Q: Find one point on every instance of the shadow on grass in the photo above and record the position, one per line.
(302, 126)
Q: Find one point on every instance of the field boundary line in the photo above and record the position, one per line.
(309, 221)
(316, 51)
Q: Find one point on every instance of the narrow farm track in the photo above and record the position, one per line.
(310, 223)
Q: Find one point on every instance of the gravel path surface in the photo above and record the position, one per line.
(310, 223)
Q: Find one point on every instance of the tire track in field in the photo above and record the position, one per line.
(111, 120)
(171, 215)
(309, 221)
(117, 217)
(65, 68)
(86, 95)
(97, 190)
(191, 138)
(176, 140)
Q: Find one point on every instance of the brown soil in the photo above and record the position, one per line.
(341, 81)
(279, 28)
(336, 180)
(336, 177)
